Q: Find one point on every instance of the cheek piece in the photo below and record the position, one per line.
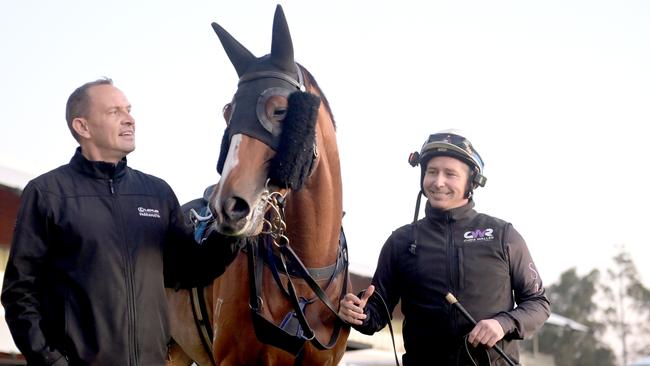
(225, 145)
(296, 153)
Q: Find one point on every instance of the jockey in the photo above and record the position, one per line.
(479, 258)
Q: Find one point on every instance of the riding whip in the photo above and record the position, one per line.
(451, 299)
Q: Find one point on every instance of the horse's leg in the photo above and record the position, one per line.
(183, 326)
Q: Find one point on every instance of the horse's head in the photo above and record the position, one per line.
(268, 144)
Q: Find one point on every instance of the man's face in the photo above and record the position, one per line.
(445, 182)
(110, 126)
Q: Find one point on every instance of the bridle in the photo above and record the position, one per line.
(255, 75)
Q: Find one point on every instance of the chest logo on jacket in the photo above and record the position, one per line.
(148, 212)
(478, 235)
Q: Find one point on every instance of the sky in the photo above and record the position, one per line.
(555, 96)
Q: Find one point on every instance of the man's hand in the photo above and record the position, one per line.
(487, 332)
(351, 307)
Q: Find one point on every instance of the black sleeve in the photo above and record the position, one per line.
(533, 307)
(22, 289)
(190, 264)
(381, 304)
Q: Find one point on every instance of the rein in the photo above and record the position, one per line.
(294, 330)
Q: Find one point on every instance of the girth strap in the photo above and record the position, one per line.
(202, 321)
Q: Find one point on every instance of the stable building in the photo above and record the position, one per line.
(12, 183)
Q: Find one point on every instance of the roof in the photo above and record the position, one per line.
(645, 361)
(13, 178)
(561, 321)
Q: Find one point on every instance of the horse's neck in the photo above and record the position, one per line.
(314, 213)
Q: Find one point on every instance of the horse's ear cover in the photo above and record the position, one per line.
(293, 161)
(281, 44)
(240, 57)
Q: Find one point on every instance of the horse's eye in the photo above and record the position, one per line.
(280, 113)
(272, 106)
(276, 108)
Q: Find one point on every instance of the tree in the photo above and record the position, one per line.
(573, 297)
(628, 310)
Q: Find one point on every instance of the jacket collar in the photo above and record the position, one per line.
(97, 169)
(454, 214)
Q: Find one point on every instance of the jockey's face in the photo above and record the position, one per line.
(445, 182)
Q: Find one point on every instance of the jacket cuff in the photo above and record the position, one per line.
(507, 323)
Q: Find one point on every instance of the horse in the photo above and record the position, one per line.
(280, 190)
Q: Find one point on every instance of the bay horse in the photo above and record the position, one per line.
(280, 188)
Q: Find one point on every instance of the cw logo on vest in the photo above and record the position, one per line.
(478, 235)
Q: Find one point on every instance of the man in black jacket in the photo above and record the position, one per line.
(480, 259)
(84, 284)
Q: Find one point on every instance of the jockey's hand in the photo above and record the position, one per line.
(487, 332)
(351, 306)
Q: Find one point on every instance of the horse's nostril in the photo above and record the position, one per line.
(236, 208)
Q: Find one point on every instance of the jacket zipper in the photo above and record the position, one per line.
(133, 352)
(451, 254)
(452, 269)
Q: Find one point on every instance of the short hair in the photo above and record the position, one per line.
(79, 102)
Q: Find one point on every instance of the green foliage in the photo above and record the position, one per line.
(573, 297)
(628, 311)
(618, 306)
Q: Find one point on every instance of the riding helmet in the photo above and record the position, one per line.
(453, 144)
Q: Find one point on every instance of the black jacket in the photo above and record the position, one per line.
(85, 273)
(481, 260)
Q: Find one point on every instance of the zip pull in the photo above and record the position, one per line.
(112, 188)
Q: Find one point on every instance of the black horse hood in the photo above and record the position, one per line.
(289, 131)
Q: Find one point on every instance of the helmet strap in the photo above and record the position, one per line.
(469, 191)
(414, 244)
(475, 180)
(417, 206)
